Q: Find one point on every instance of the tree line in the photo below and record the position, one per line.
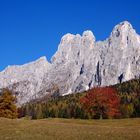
(119, 101)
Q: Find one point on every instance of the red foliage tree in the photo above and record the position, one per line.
(102, 102)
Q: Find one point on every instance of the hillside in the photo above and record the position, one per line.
(70, 106)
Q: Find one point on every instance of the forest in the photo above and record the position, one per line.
(118, 101)
(125, 104)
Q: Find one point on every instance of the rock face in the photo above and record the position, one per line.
(26, 80)
(79, 64)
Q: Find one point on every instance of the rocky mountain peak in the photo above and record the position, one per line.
(123, 35)
(67, 38)
(41, 61)
(88, 39)
(125, 24)
(89, 35)
(79, 64)
(123, 27)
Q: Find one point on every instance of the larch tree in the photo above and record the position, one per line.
(8, 107)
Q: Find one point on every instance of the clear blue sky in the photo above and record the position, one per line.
(30, 29)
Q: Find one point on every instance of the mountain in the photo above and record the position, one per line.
(80, 63)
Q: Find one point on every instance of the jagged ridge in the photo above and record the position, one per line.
(79, 64)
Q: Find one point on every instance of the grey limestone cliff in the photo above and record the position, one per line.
(80, 63)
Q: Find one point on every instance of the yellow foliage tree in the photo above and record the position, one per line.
(8, 107)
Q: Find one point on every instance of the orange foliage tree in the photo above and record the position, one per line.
(8, 107)
(102, 102)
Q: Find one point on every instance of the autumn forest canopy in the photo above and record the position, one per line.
(119, 101)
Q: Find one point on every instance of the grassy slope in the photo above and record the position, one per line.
(63, 129)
